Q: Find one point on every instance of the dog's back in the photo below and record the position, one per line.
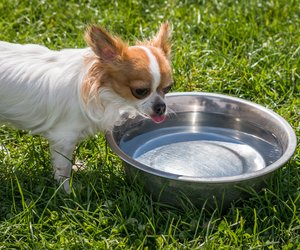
(28, 74)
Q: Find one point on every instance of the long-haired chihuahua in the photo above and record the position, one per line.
(71, 94)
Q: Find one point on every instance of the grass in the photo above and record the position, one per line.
(249, 49)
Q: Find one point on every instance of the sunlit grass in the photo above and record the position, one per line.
(249, 49)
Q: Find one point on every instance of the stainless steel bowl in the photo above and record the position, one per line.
(208, 151)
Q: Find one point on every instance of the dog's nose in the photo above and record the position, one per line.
(159, 108)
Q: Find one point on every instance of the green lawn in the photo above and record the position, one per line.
(248, 49)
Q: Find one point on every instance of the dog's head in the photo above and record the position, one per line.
(140, 75)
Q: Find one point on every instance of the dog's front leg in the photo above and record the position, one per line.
(62, 163)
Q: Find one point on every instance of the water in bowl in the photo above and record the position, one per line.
(205, 151)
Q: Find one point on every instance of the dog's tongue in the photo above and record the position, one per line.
(158, 119)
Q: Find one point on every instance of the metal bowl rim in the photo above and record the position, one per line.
(292, 142)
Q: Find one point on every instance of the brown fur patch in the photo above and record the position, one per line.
(132, 72)
(162, 40)
(106, 46)
(120, 67)
(91, 82)
(164, 67)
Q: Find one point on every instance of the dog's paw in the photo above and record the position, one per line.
(64, 182)
(67, 187)
(78, 166)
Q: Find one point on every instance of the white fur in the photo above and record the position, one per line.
(145, 106)
(153, 67)
(40, 92)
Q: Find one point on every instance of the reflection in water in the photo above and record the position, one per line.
(204, 158)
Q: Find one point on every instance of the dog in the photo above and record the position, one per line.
(71, 94)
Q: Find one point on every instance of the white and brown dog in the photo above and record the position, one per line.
(70, 94)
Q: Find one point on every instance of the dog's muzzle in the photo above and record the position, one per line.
(159, 110)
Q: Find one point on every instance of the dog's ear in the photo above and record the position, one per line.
(106, 46)
(162, 39)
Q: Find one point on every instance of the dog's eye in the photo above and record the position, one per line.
(167, 89)
(140, 93)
